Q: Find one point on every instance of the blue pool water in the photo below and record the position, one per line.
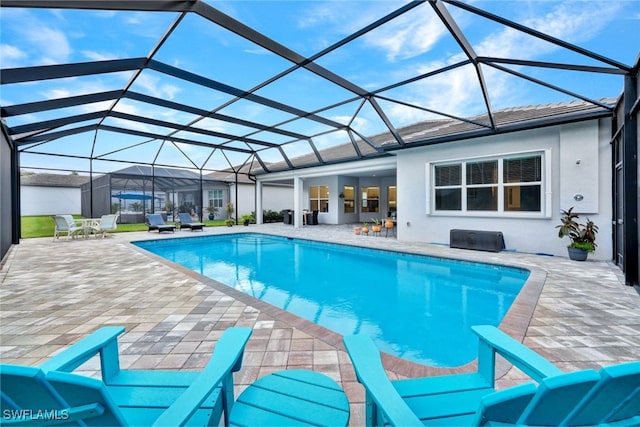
(415, 307)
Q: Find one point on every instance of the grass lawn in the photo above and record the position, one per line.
(43, 226)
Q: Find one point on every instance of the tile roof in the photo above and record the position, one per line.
(448, 129)
(53, 180)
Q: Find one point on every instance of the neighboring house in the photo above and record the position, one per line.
(516, 183)
(50, 194)
(134, 191)
(137, 190)
(242, 193)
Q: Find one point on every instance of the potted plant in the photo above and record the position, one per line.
(229, 209)
(583, 236)
(365, 228)
(388, 223)
(247, 219)
(212, 212)
(229, 222)
(377, 225)
(357, 230)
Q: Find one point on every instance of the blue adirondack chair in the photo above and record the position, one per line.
(33, 395)
(610, 396)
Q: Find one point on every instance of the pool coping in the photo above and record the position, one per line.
(515, 322)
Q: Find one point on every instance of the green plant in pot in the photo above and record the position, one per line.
(583, 236)
(229, 222)
(365, 228)
(247, 219)
(212, 212)
(229, 209)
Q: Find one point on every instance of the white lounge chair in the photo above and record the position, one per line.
(66, 224)
(107, 223)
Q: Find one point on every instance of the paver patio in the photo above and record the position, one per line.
(53, 293)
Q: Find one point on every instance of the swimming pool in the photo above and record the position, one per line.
(415, 307)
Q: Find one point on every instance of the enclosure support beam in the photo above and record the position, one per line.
(15, 192)
(259, 218)
(630, 173)
(297, 201)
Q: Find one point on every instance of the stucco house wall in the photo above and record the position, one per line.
(37, 200)
(335, 208)
(576, 162)
(50, 194)
(275, 198)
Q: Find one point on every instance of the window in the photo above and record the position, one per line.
(370, 199)
(448, 186)
(349, 196)
(216, 198)
(508, 184)
(392, 201)
(482, 186)
(522, 184)
(319, 198)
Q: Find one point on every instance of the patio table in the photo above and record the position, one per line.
(86, 224)
(292, 397)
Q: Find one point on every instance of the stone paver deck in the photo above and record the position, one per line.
(578, 315)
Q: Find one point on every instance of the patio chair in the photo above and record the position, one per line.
(107, 223)
(31, 396)
(287, 216)
(156, 222)
(66, 224)
(187, 222)
(587, 397)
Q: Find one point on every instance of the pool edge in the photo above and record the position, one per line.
(515, 322)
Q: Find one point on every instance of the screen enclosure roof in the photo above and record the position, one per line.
(264, 86)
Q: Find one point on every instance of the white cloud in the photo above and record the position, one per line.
(257, 51)
(340, 18)
(51, 43)
(344, 119)
(41, 41)
(572, 21)
(457, 92)
(132, 20)
(408, 36)
(154, 87)
(128, 108)
(98, 56)
(10, 56)
(331, 139)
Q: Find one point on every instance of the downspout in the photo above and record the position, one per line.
(153, 190)
(91, 191)
(255, 196)
(93, 146)
(201, 201)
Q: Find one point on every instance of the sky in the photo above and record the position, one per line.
(409, 46)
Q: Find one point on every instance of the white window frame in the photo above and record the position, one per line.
(212, 199)
(545, 186)
(319, 199)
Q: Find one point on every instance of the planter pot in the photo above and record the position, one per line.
(357, 230)
(246, 223)
(365, 230)
(211, 217)
(376, 228)
(577, 254)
